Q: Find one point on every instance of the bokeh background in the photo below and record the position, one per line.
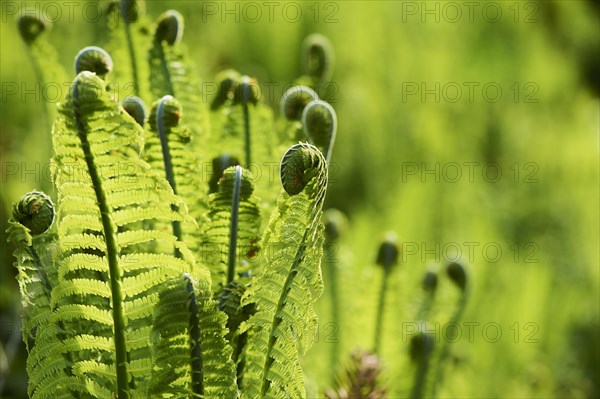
(471, 129)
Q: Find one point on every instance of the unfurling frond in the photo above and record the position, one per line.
(284, 324)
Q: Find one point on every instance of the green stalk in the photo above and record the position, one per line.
(233, 226)
(112, 255)
(380, 311)
(170, 175)
(421, 350)
(333, 293)
(132, 58)
(196, 349)
(286, 288)
(419, 385)
(245, 97)
(165, 68)
(439, 372)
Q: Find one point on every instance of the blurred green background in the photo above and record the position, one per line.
(469, 128)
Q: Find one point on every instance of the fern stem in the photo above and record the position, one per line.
(247, 129)
(277, 320)
(132, 58)
(380, 312)
(419, 384)
(439, 372)
(40, 268)
(166, 153)
(233, 226)
(335, 306)
(196, 349)
(165, 68)
(111, 254)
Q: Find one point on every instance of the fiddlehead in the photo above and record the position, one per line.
(228, 80)
(294, 100)
(387, 257)
(35, 211)
(93, 59)
(299, 166)
(32, 216)
(320, 125)
(219, 165)
(30, 27)
(169, 28)
(318, 57)
(232, 228)
(135, 107)
(457, 273)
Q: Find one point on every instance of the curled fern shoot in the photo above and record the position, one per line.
(168, 149)
(457, 272)
(168, 113)
(246, 93)
(93, 59)
(128, 41)
(284, 324)
(387, 257)
(47, 69)
(135, 107)
(174, 74)
(219, 165)
(31, 218)
(320, 125)
(228, 80)
(318, 57)
(294, 100)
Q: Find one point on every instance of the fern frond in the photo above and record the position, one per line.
(174, 74)
(285, 322)
(34, 252)
(168, 150)
(232, 227)
(191, 355)
(128, 41)
(243, 127)
(112, 264)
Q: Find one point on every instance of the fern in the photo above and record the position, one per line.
(117, 299)
(32, 217)
(232, 227)
(285, 322)
(173, 74)
(168, 151)
(128, 42)
(243, 128)
(110, 269)
(182, 318)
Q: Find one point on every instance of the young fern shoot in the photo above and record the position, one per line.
(320, 125)
(285, 321)
(387, 257)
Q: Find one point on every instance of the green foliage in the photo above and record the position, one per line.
(198, 331)
(284, 325)
(118, 301)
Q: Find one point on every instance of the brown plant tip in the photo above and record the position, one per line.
(361, 379)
